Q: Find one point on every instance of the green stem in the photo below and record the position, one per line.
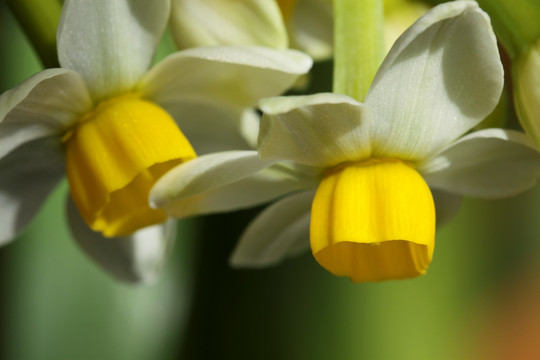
(359, 47)
(39, 20)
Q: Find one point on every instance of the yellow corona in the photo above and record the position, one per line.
(114, 155)
(373, 220)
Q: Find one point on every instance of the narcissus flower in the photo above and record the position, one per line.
(358, 175)
(305, 25)
(110, 124)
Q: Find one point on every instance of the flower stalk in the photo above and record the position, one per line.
(359, 45)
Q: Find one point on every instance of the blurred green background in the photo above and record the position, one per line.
(479, 300)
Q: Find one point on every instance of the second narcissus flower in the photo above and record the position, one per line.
(112, 126)
(305, 25)
(355, 178)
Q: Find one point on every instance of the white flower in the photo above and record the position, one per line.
(106, 120)
(357, 174)
(306, 25)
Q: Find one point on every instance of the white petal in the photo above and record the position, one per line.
(446, 205)
(218, 22)
(318, 130)
(138, 258)
(249, 127)
(204, 174)
(280, 230)
(212, 127)
(231, 75)
(312, 28)
(110, 43)
(43, 105)
(263, 186)
(488, 163)
(441, 78)
(27, 176)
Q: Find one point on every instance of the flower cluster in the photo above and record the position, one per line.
(361, 181)
(114, 126)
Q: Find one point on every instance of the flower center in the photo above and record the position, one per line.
(373, 220)
(114, 155)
